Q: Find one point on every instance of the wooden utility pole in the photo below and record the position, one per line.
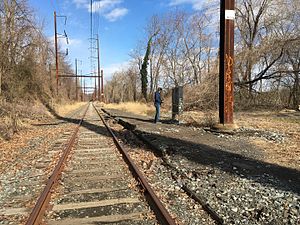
(76, 73)
(56, 51)
(227, 16)
(98, 57)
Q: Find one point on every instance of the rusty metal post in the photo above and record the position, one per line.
(81, 93)
(227, 16)
(95, 90)
(83, 89)
(99, 91)
(98, 56)
(50, 78)
(76, 84)
(102, 91)
(56, 51)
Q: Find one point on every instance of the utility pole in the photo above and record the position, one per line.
(81, 93)
(98, 56)
(56, 51)
(56, 47)
(76, 73)
(227, 16)
(95, 91)
(102, 91)
(83, 89)
(91, 17)
(50, 77)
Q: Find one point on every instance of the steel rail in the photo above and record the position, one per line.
(42, 202)
(161, 212)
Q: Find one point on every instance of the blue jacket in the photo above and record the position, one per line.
(157, 98)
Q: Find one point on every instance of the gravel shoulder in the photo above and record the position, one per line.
(236, 176)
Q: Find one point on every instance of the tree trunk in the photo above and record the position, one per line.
(296, 91)
(195, 74)
(151, 75)
(1, 54)
(134, 92)
(248, 75)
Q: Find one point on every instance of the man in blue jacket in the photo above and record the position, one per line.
(157, 103)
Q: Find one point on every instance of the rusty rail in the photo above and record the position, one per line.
(42, 202)
(161, 212)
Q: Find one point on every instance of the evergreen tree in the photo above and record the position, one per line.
(144, 71)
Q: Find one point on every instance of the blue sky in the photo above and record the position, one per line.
(120, 26)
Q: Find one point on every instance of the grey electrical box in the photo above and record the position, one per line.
(177, 101)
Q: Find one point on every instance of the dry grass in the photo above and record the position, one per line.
(15, 117)
(62, 110)
(278, 121)
(133, 107)
(284, 122)
(199, 118)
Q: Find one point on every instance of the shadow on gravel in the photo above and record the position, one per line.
(262, 172)
(163, 121)
(47, 124)
(279, 177)
(139, 119)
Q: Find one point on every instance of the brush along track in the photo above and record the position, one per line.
(97, 186)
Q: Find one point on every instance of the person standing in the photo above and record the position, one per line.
(157, 103)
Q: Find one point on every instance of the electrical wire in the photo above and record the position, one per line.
(58, 6)
(96, 20)
(53, 6)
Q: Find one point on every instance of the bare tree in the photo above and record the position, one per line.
(25, 54)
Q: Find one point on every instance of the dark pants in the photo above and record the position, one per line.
(157, 114)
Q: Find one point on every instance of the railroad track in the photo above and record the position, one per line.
(95, 182)
(25, 178)
(175, 172)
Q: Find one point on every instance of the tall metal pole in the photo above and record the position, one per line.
(83, 89)
(91, 33)
(56, 51)
(95, 90)
(98, 56)
(81, 93)
(91, 15)
(102, 91)
(227, 16)
(76, 84)
(50, 77)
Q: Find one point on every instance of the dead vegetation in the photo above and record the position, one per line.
(64, 109)
(133, 107)
(15, 117)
